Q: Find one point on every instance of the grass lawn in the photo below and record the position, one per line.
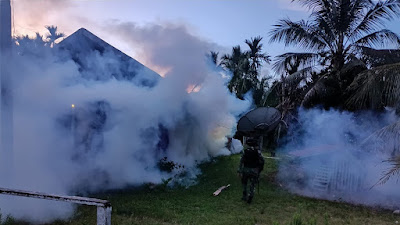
(196, 205)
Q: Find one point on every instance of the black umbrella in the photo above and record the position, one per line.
(258, 122)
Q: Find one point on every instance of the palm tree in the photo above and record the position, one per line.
(53, 35)
(30, 46)
(214, 57)
(334, 36)
(256, 57)
(239, 65)
(340, 38)
(245, 67)
(261, 91)
(375, 89)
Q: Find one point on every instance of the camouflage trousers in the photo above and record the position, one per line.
(246, 179)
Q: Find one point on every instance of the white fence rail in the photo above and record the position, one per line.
(103, 206)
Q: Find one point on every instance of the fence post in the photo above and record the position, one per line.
(104, 215)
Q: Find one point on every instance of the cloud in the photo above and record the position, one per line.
(32, 16)
(162, 46)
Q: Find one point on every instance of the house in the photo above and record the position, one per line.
(99, 60)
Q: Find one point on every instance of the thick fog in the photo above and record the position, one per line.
(340, 156)
(76, 134)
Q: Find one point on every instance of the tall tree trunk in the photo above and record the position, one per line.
(339, 57)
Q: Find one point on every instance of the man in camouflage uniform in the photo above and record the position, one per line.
(251, 165)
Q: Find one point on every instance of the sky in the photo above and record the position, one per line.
(223, 23)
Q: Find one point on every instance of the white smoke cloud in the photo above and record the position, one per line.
(161, 46)
(32, 16)
(328, 158)
(49, 155)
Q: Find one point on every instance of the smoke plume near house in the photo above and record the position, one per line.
(79, 134)
(337, 155)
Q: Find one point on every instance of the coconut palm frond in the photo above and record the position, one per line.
(357, 9)
(391, 89)
(318, 89)
(294, 79)
(346, 13)
(379, 38)
(393, 171)
(335, 25)
(233, 61)
(374, 18)
(289, 62)
(353, 61)
(375, 88)
(255, 53)
(53, 33)
(353, 66)
(375, 57)
(254, 44)
(273, 89)
(390, 133)
(316, 5)
(325, 30)
(386, 140)
(296, 33)
(214, 57)
(336, 30)
(366, 93)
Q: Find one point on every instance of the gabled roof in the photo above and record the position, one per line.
(86, 49)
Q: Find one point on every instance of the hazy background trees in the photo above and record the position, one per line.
(349, 61)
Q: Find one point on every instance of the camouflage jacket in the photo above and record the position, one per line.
(251, 161)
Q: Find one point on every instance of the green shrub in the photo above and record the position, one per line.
(298, 220)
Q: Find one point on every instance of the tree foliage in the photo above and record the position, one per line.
(245, 69)
(39, 44)
(335, 38)
(341, 66)
(53, 35)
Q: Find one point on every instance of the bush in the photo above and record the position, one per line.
(168, 166)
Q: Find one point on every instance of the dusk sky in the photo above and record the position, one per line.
(222, 23)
